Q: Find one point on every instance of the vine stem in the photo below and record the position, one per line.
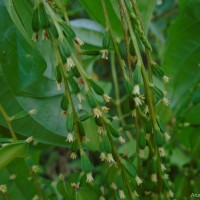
(126, 40)
(148, 54)
(141, 64)
(7, 119)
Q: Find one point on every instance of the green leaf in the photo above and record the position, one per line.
(17, 188)
(89, 31)
(181, 58)
(146, 8)
(94, 8)
(9, 152)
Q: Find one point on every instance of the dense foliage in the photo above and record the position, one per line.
(99, 99)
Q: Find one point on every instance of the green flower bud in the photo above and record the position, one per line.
(129, 86)
(74, 85)
(69, 122)
(113, 131)
(157, 92)
(158, 138)
(85, 162)
(64, 103)
(43, 18)
(81, 129)
(35, 20)
(129, 167)
(58, 75)
(98, 90)
(91, 100)
(142, 140)
(161, 125)
(106, 40)
(68, 31)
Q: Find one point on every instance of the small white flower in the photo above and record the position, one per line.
(78, 41)
(165, 79)
(75, 186)
(163, 168)
(35, 197)
(73, 155)
(3, 188)
(121, 140)
(80, 107)
(80, 97)
(113, 186)
(121, 194)
(89, 178)
(154, 178)
(103, 157)
(167, 136)
(58, 86)
(70, 137)
(170, 194)
(135, 194)
(138, 180)
(161, 152)
(102, 189)
(139, 100)
(32, 111)
(115, 118)
(141, 153)
(110, 158)
(186, 124)
(102, 198)
(35, 168)
(100, 130)
(85, 139)
(70, 63)
(166, 176)
(97, 112)
(148, 135)
(146, 110)
(61, 177)
(166, 101)
(136, 90)
(133, 113)
(106, 98)
(29, 139)
(105, 109)
(104, 54)
(12, 176)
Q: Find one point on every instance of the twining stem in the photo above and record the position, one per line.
(148, 54)
(7, 119)
(126, 40)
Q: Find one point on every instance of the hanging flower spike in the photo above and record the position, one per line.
(121, 140)
(70, 137)
(121, 194)
(78, 41)
(154, 178)
(106, 98)
(110, 158)
(104, 54)
(97, 113)
(165, 79)
(89, 178)
(73, 155)
(138, 180)
(165, 101)
(103, 156)
(161, 152)
(136, 90)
